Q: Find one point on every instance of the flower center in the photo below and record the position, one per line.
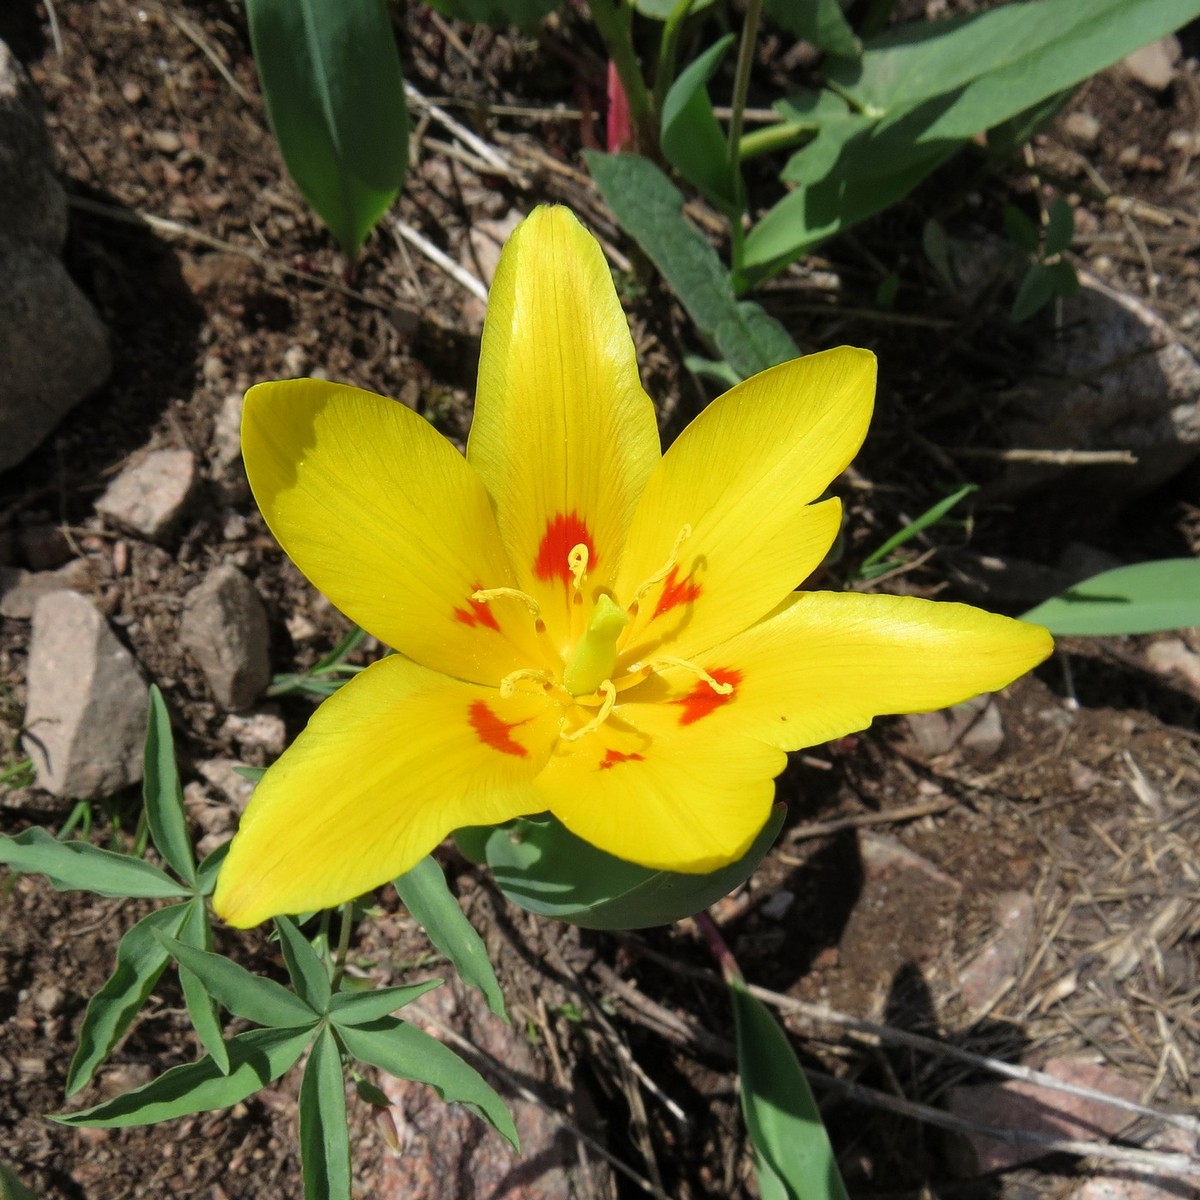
(594, 657)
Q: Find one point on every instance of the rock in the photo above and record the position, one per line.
(21, 590)
(1083, 127)
(85, 721)
(1112, 1183)
(1176, 660)
(148, 496)
(974, 725)
(225, 630)
(53, 347)
(1154, 65)
(225, 452)
(261, 736)
(994, 969)
(1033, 1108)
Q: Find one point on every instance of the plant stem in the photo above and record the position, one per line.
(717, 945)
(613, 26)
(780, 136)
(343, 946)
(668, 50)
(741, 88)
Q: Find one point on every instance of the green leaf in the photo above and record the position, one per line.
(324, 1137)
(408, 1053)
(692, 138)
(11, 1188)
(361, 1008)
(77, 865)
(162, 793)
(781, 1114)
(1060, 227)
(429, 899)
(1021, 230)
(823, 23)
(260, 1000)
(496, 12)
(1144, 598)
(546, 869)
(196, 932)
(662, 10)
(930, 516)
(309, 976)
(1037, 289)
(140, 961)
(256, 1057)
(719, 372)
(331, 80)
(210, 868)
(650, 208)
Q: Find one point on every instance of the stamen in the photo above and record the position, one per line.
(610, 698)
(661, 574)
(657, 664)
(508, 685)
(577, 562)
(487, 595)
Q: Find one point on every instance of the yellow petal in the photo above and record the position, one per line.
(388, 520)
(665, 795)
(729, 506)
(564, 436)
(388, 766)
(827, 663)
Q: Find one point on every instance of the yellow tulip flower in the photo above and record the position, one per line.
(582, 624)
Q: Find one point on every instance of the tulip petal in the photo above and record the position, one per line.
(730, 508)
(648, 790)
(386, 518)
(564, 436)
(827, 663)
(388, 766)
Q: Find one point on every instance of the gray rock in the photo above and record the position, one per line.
(21, 590)
(261, 736)
(85, 721)
(225, 630)
(974, 725)
(996, 967)
(148, 497)
(1154, 65)
(1177, 661)
(225, 454)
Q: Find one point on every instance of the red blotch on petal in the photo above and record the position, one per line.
(494, 732)
(676, 591)
(563, 534)
(702, 700)
(612, 757)
(477, 612)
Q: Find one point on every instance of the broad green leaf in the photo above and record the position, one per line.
(692, 138)
(719, 372)
(253, 997)
(11, 1188)
(1005, 139)
(496, 12)
(821, 22)
(650, 208)
(210, 868)
(781, 1114)
(309, 976)
(256, 1057)
(330, 75)
(1036, 291)
(427, 896)
(140, 961)
(1021, 230)
(408, 1053)
(543, 867)
(1060, 226)
(324, 1137)
(77, 865)
(162, 794)
(361, 1008)
(1144, 598)
(196, 932)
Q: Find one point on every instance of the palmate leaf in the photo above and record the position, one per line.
(256, 1057)
(141, 959)
(307, 971)
(361, 1008)
(71, 866)
(408, 1053)
(429, 899)
(196, 932)
(324, 1137)
(162, 793)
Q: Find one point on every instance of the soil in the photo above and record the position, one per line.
(211, 273)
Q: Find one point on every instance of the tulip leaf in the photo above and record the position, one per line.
(162, 793)
(330, 75)
(1144, 598)
(650, 208)
(408, 1053)
(781, 1114)
(260, 1000)
(429, 899)
(205, 1016)
(361, 1008)
(324, 1137)
(256, 1057)
(79, 866)
(546, 869)
(821, 22)
(308, 973)
(141, 959)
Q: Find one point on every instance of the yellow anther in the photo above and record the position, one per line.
(487, 595)
(508, 685)
(665, 570)
(610, 698)
(577, 562)
(595, 654)
(662, 661)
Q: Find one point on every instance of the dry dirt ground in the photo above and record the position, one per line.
(899, 865)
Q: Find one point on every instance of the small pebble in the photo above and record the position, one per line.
(166, 141)
(132, 92)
